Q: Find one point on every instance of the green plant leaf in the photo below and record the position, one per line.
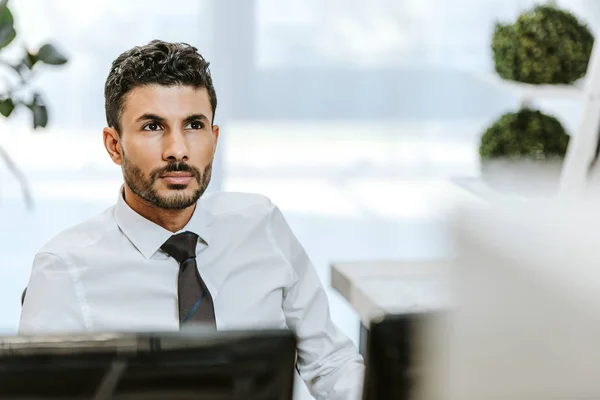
(525, 134)
(6, 107)
(29, 60)
(40, 116)
(7, 29)
(39, 111)
(544, 45)
(50, 55)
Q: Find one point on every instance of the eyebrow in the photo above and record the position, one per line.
(196, 117)
(188, 119)
(150, 117)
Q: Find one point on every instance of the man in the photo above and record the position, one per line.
(165, 255)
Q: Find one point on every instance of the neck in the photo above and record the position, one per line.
(171, 220)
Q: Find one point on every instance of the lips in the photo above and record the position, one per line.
(175, 178)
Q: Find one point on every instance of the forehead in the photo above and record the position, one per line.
(169, 102)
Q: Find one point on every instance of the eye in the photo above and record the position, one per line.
(153, 126)
(195, 125)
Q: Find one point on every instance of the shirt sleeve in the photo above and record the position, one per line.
(50, 304)
(328, 361)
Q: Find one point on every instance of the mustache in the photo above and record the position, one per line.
(178, 166)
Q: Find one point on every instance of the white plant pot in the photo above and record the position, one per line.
(523, 178)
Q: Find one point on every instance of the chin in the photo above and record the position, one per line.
(177, 192)
(177, 200)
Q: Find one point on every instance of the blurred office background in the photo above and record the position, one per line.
(355, 117)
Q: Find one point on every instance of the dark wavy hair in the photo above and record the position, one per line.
(157, 62)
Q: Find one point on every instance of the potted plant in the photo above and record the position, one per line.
(544, 46)
(523, 144)
(15, 88)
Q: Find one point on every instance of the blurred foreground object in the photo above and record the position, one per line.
(16, 79)
(545, 45)
(527, 311)
(192, 364)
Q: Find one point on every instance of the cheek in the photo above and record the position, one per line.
(202, 148)
(141, 153)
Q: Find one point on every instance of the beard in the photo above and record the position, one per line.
(143, 186)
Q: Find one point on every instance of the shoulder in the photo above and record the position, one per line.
(80, 236)
(243, 213)
(237, 204)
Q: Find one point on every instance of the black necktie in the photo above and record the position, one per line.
(195, 302)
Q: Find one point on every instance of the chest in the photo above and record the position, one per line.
(133, 293)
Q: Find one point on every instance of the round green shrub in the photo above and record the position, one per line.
(524, 135)
(545, 45)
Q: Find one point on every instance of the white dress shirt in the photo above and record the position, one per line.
(109, 274)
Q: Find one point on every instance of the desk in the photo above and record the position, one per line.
(394, 287)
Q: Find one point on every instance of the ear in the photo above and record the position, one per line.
(112, 143)
(215, 131)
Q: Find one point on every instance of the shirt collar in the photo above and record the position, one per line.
(147, 236)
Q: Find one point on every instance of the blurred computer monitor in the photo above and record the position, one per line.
(393, 358)
(168, 366)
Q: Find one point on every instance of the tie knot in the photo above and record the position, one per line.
(181, 246)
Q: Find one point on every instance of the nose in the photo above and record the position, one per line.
(175, 146)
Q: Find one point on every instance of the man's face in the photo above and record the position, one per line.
(167, 144)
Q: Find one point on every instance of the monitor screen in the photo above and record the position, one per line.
(171, 366)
